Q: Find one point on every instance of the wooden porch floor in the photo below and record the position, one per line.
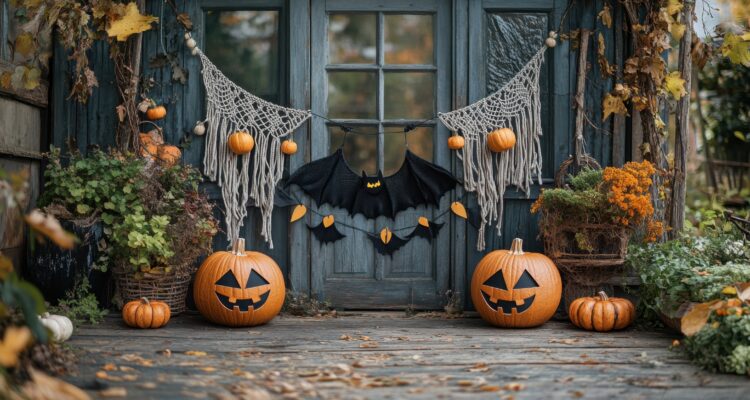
(387, 355)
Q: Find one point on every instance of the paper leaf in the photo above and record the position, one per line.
(612, 105)
(459, 209)
(328, 221)
(675, 85)
(130, 23)
(424, 222)
(697, 317)
(386, 235)
(298, 212)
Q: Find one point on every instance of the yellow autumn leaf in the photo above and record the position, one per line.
(613, 105)
(674, 6)
(677, 30)
(605, 16)
(31, 78)
(299, 211)
(130, 23)
(729, 290)
(459, 209)
(675, 85)
(737, 48)
(25, 44)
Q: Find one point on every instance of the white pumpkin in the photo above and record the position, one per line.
(60, 326)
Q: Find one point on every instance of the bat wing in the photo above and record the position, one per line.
(326, 235)
(387, 248)
(328, 181)
(427, 232)
(418, 182)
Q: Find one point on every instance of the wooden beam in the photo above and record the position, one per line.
(682, 124)
(36, 97)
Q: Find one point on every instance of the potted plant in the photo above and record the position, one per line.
(587, 223)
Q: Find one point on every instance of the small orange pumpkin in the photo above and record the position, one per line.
(169, 154)
(516, 289)
(238, 287)
(456, 142)
(149, 150)
(146, 314)
(288, 147)
(156, 112)
(501, 140)
(241, 142)
(601, 313)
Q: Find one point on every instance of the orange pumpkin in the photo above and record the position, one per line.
(515, 289)
(146, 314)
(501, 140)
(601, 313)
(288, 147)
(456, 142)
(149, 150)
(238, 287)
(241, 142)
(156, 112)
(169, 154)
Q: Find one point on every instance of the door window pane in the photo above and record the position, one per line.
(351, 38)
(244, 45)
(352, 95)
(409, 95)
(408, 39)
(420, 143)
(360, 151)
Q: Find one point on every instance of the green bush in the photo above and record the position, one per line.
(80, 305)
(722, 345)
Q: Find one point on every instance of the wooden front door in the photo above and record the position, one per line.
(378, 66)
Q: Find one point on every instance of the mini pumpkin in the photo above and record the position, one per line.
(288, 147)
(601, 313)
(241, 142)
(456, 142)
(238, 287)
(516, 289)
(145, 313)
(59, 325)
(500, 140)
(169, 154)
(156, 112)
(149, 150)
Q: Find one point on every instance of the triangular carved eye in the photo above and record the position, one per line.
(255, 280)
(497, 281)
(526, 281)
(228, 280)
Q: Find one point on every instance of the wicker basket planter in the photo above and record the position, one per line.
(588, 244)
(171, 289)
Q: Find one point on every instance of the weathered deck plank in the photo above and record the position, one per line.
(385, 355)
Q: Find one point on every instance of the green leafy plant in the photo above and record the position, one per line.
(724, 343)
(80, 305)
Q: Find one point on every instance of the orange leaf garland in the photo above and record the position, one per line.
(328, 221)
(386, 235)
(299, 211)
(459, 209)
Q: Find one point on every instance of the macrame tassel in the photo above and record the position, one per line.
(516, 105)
(229, 109)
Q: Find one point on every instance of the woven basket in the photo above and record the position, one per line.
(171, 289)
(603, 242)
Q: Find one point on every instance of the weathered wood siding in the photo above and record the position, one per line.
(486, 33)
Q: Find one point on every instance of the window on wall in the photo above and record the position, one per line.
(381, 77)
(245, 45)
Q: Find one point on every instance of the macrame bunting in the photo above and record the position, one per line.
(516, 105)
(229, 109)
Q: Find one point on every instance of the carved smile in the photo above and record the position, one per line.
(243, 305)
(508, 305)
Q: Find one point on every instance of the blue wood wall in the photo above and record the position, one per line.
(94, 123)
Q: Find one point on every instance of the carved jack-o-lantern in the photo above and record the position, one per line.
(239, 288)
(514, 289)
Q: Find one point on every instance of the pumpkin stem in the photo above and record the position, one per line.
(144, 300)
(603, 296)
(238, 247)
(516, 248)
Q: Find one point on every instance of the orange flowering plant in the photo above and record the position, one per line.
(619, 197)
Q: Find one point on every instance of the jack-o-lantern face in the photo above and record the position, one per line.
(231, 295)
(239, 288)
(499, 298)
(514, 289)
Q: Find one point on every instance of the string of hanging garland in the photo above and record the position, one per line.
(501, 143)
(507, 122)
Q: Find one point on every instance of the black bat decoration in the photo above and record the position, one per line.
(428, 232)
(387, 249)
(326, 235)
(329, 180)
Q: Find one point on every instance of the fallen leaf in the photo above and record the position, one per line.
(109, 367)
(147, 385)
(196, 353)
(695, 319)
(514, 386)
(743, 291)
(130, 23)
(479, 367)
(114, 392)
